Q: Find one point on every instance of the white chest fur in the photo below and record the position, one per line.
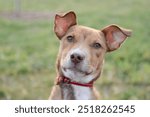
(82, 93)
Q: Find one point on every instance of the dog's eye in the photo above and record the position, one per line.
(97, 45)
(70, 38)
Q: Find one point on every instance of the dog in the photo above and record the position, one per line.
(81, 56)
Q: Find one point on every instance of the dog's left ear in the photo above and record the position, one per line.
(115, 36)
(63, 23)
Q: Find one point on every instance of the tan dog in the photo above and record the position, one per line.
(81, 56)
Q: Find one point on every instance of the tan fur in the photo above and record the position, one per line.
(55, 93)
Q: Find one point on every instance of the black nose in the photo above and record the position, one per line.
(76, 58)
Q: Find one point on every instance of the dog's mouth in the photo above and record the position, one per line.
(76, 70)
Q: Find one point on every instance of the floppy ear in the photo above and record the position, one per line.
(115, 36)
(63, 23)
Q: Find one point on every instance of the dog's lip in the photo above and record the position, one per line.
(78, 70)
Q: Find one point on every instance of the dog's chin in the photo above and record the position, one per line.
(78, 71)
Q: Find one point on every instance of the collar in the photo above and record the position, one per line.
(62, 79)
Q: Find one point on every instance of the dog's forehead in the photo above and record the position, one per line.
(87, 33)
(83, 30)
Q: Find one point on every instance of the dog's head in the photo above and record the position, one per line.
(82, 49)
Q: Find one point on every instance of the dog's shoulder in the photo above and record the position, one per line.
(55, 93)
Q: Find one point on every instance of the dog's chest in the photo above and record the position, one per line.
(82, 93)
(67, 92)
(71, 92)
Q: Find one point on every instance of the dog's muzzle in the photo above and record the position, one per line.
(76, 58)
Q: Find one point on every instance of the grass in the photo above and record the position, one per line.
(28, 48)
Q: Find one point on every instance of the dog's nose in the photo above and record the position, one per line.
(76, 58)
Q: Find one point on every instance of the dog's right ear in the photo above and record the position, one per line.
(63, 23)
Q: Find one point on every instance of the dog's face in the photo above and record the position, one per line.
(82, 49)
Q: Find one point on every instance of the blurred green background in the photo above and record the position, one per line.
(28, 46)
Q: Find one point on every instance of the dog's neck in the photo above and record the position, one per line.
(75, 90)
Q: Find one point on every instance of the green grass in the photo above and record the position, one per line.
(28, 48)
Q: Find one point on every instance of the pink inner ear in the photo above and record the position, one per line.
(61, 27)
(115, 36)
(115, 39)
(63, 23)
(119, 37)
